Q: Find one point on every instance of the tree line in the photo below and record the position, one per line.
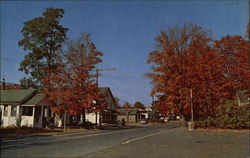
(188, 64)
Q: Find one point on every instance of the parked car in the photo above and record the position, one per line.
(166, 119)
(143, 121)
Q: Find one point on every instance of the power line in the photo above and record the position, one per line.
(126, 79)
(97, 73)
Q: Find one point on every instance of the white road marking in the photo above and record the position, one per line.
(149, 135)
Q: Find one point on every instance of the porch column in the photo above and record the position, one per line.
(8, 114)
(33, 116)
(18, 110)
(41, 118)
(100, 118)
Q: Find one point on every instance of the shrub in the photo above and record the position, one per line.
(18, 120)
(230, 115)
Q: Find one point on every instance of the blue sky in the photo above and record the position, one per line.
(123, 30)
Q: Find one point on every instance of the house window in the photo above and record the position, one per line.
(5, 110)
(13, 110)
(27, 110)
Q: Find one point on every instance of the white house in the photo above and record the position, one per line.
(24, 107)
(109, 114)
(148, 113)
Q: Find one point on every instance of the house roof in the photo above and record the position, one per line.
(16, 96)
(35, 99)
(105, 91)
(128, 111)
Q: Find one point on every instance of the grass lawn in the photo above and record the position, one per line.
(219, 130)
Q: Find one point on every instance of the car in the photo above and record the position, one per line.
(167, 119)
(143, 121)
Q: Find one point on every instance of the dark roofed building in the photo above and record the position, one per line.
(129, 115)
(109, 114)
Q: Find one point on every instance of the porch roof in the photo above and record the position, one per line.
(15, 96)
(39, 100)
(35, 99)
(128, 111)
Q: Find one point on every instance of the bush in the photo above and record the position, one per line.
(229, 116)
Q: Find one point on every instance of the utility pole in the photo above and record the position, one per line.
(191, 101)
(3, 84)
(97, 73)
(191, 124)
(64, 129)
(153, 107)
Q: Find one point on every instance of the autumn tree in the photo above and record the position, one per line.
(42, 37)
(8, 86)
(139, 105)
(187, 60)
(118, 103)
(235, 52)
(127, 105)
(72, 84)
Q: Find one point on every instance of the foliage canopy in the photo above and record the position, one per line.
(188, 59)
(42, 38)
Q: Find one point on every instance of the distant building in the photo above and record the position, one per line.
(149, 113)
(130, 115)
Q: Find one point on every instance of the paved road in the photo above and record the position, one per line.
(181, 143)
(76, 145)
(160, 141)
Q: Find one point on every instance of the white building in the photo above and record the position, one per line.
(24, 108)
(109, 114)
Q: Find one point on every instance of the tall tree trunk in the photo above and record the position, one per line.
(183, 122)
(83, 116)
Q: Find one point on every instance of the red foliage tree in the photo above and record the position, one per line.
(127, 105)
(187, 59)
(235, 52)
(71, 84)
(139, 105)
(9, 86)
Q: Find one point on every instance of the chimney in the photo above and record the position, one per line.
(3, 84)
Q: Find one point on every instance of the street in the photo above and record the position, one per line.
(165, 140)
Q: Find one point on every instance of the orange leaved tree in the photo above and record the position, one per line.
(235, 52)
(72, 85)
(188, 59)
(127, 105)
